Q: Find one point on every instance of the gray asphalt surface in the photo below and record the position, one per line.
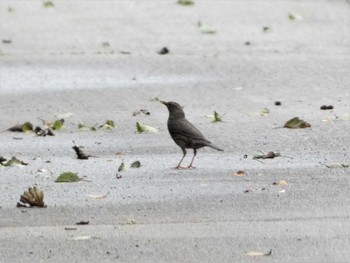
(70, 58)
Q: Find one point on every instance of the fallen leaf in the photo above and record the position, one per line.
(131, 221)
(280, 183)
(25, 127)
(269, 155)
(136, 164)
(84, 127)
(67, 177)
(143, 128)
(48, 4)
(239, 173)
(296, 123)
(14, 162)
(121, 167)
(100, 196)
(216, 117)
(258, 254)
(264, 112)
(57, 125)
(294, 17)
(33, 197)
(204, 29)
(108, 125)
(185, 2)
(338, 165)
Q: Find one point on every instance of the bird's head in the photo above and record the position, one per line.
(175, 110)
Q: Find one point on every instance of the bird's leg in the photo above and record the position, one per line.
(194, 155)
(178, 166)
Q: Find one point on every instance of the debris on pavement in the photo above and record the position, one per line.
(33, 197)
(258, 254)
(296, 123)
(143, 128)
(67, 177)
(80, 154)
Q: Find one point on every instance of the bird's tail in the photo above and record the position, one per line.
(215, 147)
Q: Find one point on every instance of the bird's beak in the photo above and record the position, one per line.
(163, 102)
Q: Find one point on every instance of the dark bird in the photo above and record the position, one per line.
(184, 133)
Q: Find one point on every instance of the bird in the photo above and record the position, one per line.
(184, 133)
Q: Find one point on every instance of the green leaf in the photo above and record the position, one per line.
(136, 164)
(121, 167)
(294, 17)
(84, 127)
(185, 2)
(67, 177)
(217, 117)
(296, 123)
(143, 128)
(27, 126)
(264, 112)
(108, 125)
(57, 125)
(48, 4)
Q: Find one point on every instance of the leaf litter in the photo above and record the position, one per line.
(258, 253)
(80, 154)
(296, 123)
(143, 128)
(68, 177)
(33, 197)
(12, 162)
(216, 117)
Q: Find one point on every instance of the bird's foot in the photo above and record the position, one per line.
(190, 167)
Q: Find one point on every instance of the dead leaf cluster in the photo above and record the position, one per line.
(33, 197)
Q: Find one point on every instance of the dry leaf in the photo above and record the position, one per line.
(100, 196)
(239, 173)
(33, 197)
(280, 183)
(258, 254)
(296, 123)
(338, 165)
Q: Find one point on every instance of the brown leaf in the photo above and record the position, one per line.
(239, 173)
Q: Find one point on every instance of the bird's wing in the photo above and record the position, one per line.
(185, 128)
